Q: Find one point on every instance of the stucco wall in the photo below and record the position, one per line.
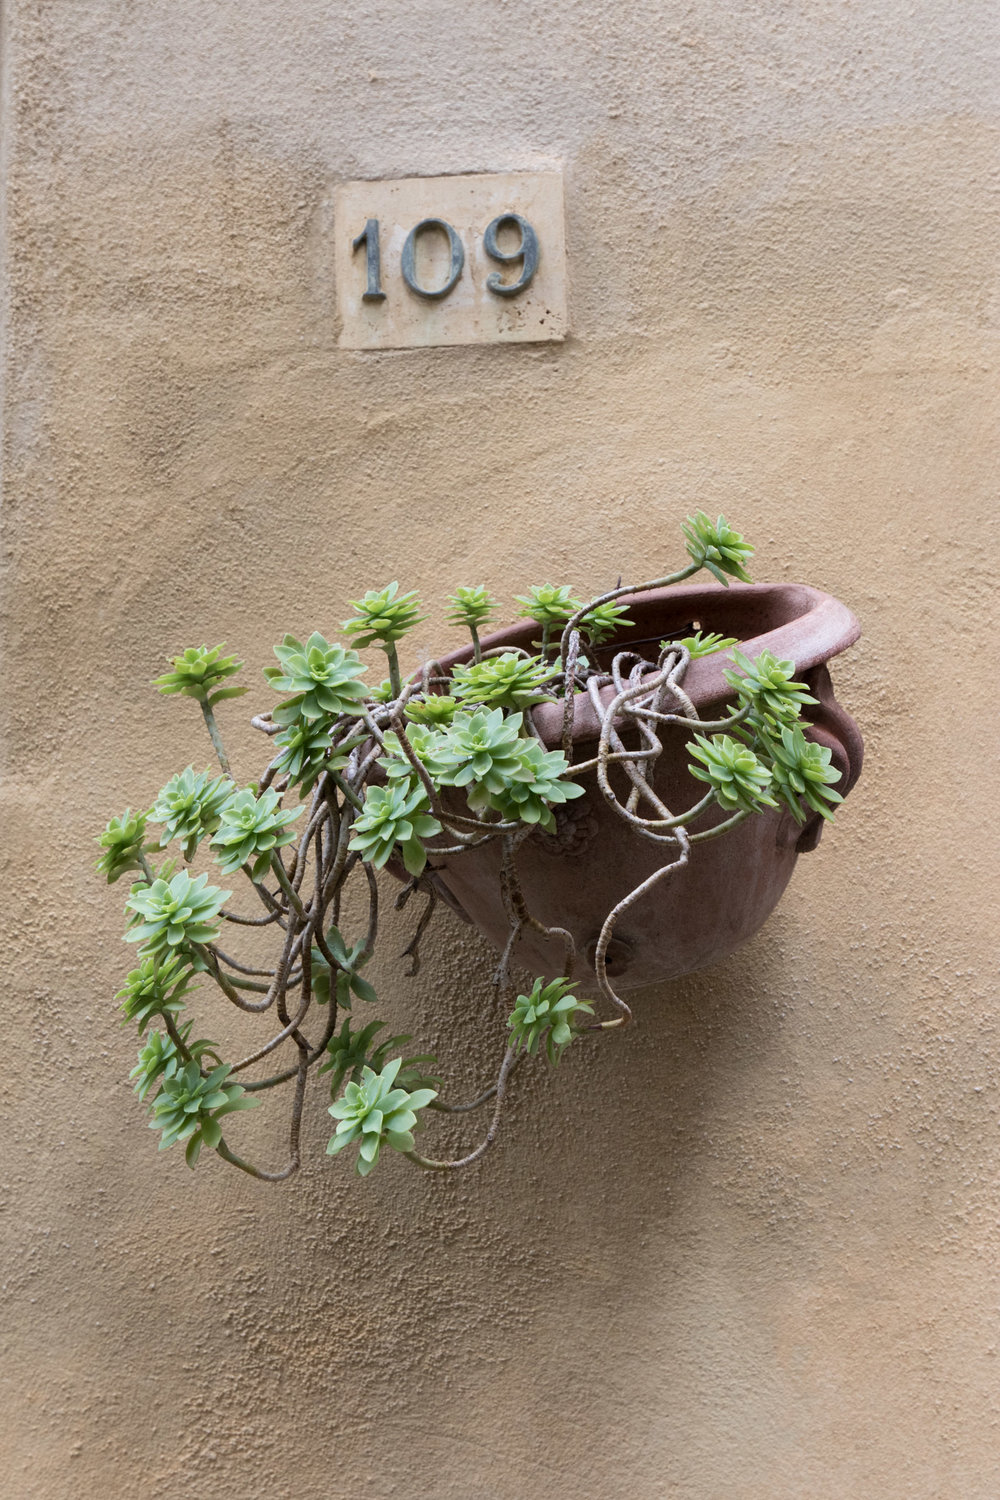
(749, 1250)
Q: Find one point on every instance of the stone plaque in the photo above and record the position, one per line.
(451, 260)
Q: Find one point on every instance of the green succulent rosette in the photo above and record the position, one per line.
(397, 814)
(741, 783)
(323, 679)
(199, 673)
(472, 607)
(428, 743)
(374, 1113)
(507, 681)
(174, 914)
(155, 988)
(189, 807)
(305, 752)
(383, 616)
(484, 747)
(158, 1057)
(716, 546)
(801, 771)
(435, 710)
(529, 797)
(548, 604)
(123, 846)
(345, 976)
(702, 643)
(351, 1051)
(250, 830)
(767, 687)
(190, 1105)
(550, 1014)
(604, 621)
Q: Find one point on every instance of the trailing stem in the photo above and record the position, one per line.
(213, 728)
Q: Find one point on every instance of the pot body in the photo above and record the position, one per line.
(574, 877)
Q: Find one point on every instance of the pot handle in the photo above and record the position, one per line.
(834, 728)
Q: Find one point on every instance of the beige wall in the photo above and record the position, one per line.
(750, 1251)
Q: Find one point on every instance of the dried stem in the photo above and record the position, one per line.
(430, 1165)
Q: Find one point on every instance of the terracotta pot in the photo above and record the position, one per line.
(575, 876)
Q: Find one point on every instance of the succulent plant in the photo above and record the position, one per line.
(429, 744)
(455, 759)
(158, 1057)
(548, 604)
(542, 785)
(433, 710)
(122, 842)
(190, 1105)
(738, 779)
(767, 687)
(604, 621)
(373, 1112)
(250, 830)
(155, 988)
(472, 607)
(801, 769)
(174, 914)
(305, 748)
(383, 616)
(395, 814)
(189, 807)
(717, 547)
(348, 980)
(349, 1052)
(505, 681)
(702, 643)
(550, 1013)
(324, 680)
(482, 747)
(199, 673)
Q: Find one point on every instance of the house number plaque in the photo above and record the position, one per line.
(451, 260)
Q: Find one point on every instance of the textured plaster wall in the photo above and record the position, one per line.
(750, 1251)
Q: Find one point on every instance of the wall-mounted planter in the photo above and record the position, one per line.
(574, 877)
(597, 846)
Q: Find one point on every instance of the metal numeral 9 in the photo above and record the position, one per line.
(526, 253)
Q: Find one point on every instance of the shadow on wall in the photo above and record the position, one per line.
(610, 1210)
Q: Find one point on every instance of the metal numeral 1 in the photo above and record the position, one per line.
(408, 261)
(373, 258)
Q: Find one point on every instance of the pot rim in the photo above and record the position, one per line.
(818, 626)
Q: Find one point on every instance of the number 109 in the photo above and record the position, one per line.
(525, 257)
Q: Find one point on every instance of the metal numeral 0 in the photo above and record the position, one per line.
(526, 252)
(408, 260)
(373, 259)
